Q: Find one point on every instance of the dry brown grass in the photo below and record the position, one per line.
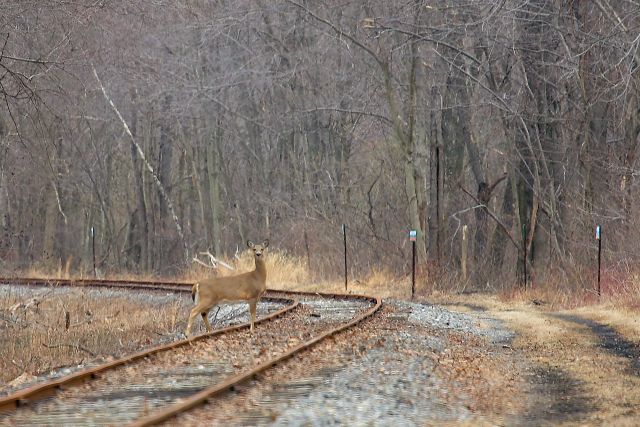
(283, 270)
(618, 290)
(623, 319)
(41, 329)
(287, 272)
(377, 282)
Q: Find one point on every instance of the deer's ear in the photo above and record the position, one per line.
(250, 244)
(265, 243)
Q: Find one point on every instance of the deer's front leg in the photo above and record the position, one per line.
(252, 309)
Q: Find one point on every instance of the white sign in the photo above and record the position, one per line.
(413, 234)
(598, 233)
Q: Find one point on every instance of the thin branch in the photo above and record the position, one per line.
(29, 60)
(455, 216)
(76, 346)
(215, 260)
(55, 190)
(493, 186)
(203, 264)
(501, 101)
(358, 112)
(423, 37)
(339, 31)
(491, 214)
(161, 188)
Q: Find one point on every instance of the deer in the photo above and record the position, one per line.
(247, 287)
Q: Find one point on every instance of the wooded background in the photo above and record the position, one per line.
(284, 119)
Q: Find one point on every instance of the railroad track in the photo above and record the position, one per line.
(155, 385)
(125, 284)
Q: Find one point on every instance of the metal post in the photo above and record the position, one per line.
(344, 233)
(413, 269)
(413, 236)
(524, 259)
(93, 249)
(599, 238)
(438, 233)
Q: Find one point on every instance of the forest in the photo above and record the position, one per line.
(145, 132)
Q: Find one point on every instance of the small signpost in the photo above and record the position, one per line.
(599, 239)
(344, 234)
(413, 235)
(93, 249)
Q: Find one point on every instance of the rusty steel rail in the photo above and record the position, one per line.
(48, 388)
(116, 283)
(203, 396)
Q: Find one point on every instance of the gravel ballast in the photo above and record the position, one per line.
(388, 371)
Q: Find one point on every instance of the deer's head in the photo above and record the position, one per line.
(258, 250)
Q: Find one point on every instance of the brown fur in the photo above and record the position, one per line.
(247, 286)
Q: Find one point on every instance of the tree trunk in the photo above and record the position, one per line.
(165, 157)
(141, 228)
(500, 240)
(213, 167)
(51, 218)
(436, 201)
(406, 142)
(198, 165)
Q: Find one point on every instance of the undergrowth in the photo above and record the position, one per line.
(617, 291)
(41, 330)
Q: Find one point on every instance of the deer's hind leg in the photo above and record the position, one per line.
(201, 309)
(205, 319)
(193, 314)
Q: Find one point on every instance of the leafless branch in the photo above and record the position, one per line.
(492, 215)
(75, 346)
(213, 261)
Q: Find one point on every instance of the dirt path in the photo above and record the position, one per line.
(577, 367)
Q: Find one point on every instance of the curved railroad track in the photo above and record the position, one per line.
(157, 384)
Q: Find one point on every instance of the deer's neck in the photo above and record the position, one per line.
(261, 268)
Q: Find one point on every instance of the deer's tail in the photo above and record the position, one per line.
(194, 291)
